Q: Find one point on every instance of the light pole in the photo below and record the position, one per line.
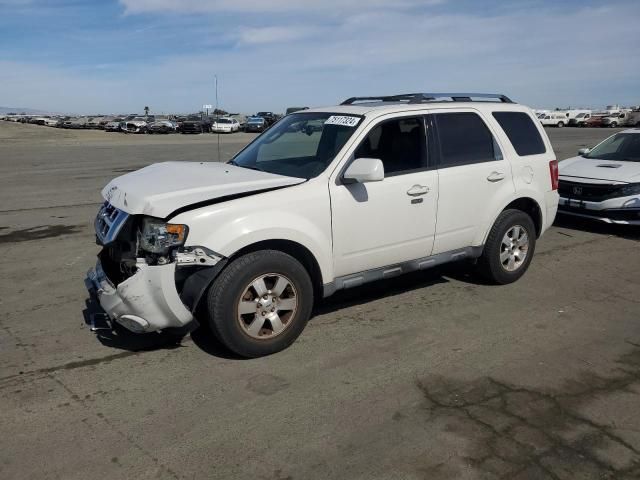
(217, 111)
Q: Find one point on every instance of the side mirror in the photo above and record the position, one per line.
(583, 151)
(363, 170)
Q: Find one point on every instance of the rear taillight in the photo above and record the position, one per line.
(553, 171)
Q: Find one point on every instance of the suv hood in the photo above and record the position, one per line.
(162, 188)
(595, 169)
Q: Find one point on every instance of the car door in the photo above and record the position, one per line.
(379, 224)
(472, 175)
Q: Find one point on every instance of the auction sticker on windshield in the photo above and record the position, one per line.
(343, 120)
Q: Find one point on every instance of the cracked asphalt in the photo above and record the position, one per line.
(430, 376)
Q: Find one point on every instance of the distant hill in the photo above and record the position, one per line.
(19, 110)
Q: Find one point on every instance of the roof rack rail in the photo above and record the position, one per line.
(432, 97)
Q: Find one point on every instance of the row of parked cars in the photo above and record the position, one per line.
(196, 123)
(611, 117)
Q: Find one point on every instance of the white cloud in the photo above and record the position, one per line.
(275, 34)
(258, 6)
(570, 57)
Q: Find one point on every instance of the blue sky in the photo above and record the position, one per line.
(90, 56)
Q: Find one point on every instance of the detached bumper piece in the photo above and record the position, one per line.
(145, 302)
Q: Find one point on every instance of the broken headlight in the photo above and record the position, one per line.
(159, 237)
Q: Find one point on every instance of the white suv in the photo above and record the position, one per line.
(326, 199)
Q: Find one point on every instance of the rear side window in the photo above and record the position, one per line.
(522, 133)
(464, 138)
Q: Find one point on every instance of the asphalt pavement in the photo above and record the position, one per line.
(434, 375)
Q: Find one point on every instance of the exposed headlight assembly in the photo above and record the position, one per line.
(159, 237)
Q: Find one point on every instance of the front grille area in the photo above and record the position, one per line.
(108, 223)
(590, 192)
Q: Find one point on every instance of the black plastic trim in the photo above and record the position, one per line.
(196, 284)
(424, 263)
(413, 98)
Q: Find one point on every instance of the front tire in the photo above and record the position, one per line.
(260, 303)
(509, 248)
(560, 124)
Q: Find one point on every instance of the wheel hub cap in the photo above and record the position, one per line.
(267, 306)
(514, 248)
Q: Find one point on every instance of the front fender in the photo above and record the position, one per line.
(299, 214)
(241, 234)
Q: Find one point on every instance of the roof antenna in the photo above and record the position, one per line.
(217, 114)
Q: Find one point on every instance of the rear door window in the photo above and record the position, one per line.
(522, 133)
(464, 139)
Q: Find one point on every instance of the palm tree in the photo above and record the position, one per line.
(146, 111)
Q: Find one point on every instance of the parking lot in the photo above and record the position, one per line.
(430, 376)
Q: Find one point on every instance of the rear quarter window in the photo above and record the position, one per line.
(522, 133)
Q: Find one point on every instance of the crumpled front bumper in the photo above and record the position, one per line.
(145, 302)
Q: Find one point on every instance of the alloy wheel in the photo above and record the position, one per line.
(267, 306)
(514, 248)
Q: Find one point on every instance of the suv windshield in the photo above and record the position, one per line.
(300, 145)
(621, 146)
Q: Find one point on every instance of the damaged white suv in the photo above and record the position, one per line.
(326, 199)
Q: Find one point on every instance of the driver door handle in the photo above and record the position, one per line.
(495, 176)
(418, 190)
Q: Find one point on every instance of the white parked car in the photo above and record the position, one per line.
(326, 199)
(554, 119)
(135, 125)
(619, 119)
(225, 125)
(603, 183)
(114, 125)
(50, 122)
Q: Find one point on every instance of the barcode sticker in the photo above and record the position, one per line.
(342, 120)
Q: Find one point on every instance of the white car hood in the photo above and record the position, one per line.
(606, 170)
(162, 188)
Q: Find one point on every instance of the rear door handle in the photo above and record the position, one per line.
(417, 190)
(495, 176)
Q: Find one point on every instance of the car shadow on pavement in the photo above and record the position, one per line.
(628, 232)
(462, 271)
(115, 336)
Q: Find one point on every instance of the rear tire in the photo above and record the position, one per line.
(260, 303)
(560, 124)
(509, 248)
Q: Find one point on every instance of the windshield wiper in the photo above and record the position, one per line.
(233, 162)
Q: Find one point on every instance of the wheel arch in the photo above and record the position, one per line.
(196, 284)
(298, 251)
(529, 206)
(526, 204)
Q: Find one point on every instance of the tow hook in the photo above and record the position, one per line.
(100, 321)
